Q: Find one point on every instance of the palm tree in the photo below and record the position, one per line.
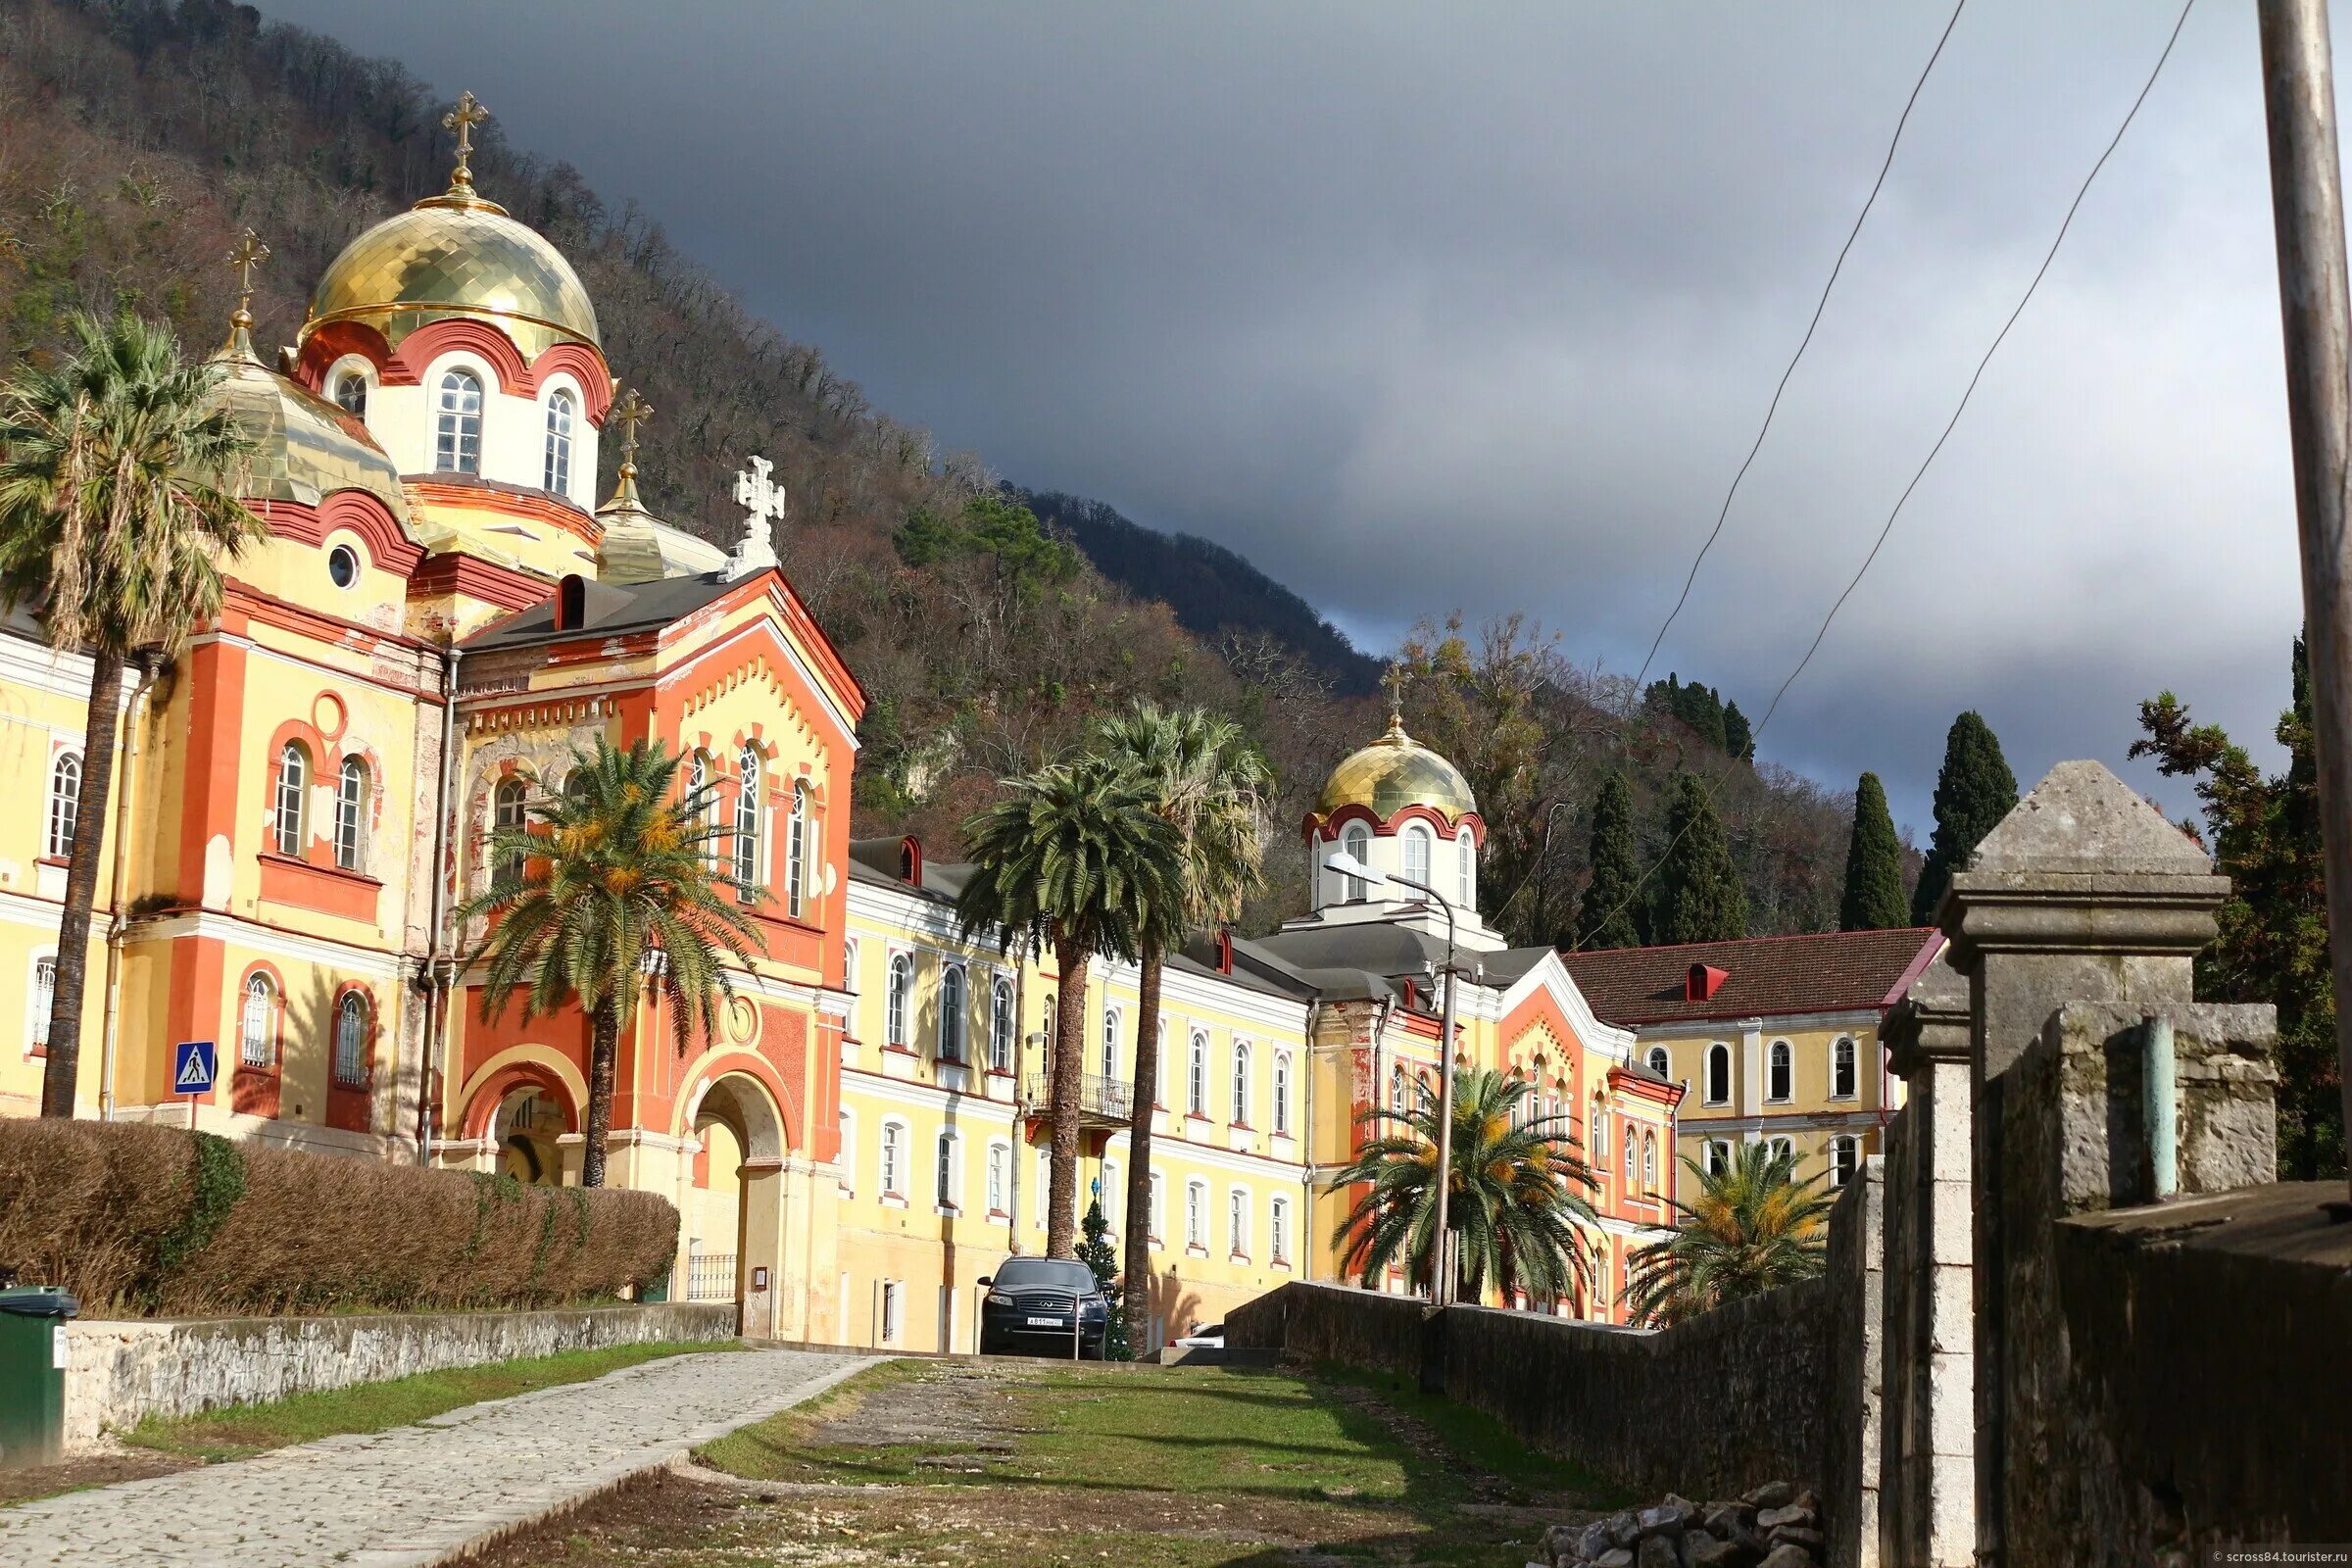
(117, 506)
(1210, 785)
(616, 887)
(1753, 1228)
(1516, 1194)
(1075, 859)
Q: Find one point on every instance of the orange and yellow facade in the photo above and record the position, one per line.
(437, 620)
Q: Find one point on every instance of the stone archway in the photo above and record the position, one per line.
(738, 1122)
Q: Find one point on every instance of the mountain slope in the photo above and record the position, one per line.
(1212, 590)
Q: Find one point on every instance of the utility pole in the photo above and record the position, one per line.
(2307, 208)
(1441, 1278)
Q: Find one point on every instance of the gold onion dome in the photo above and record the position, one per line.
(456, 255)
(304, 448)
(1394, 772)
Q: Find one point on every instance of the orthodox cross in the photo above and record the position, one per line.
(764, 498)
(629, 412)
(249, 253)
(468, 114)
(1394, 681)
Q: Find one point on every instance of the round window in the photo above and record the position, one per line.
(343, 566)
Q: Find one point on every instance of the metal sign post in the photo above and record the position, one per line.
(194, 1067)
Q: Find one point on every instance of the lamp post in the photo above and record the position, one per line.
(1441, 1285)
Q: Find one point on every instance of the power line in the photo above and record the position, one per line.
(1818, 305)
(1958, 410)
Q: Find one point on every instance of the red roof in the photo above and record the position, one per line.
(1837, 971)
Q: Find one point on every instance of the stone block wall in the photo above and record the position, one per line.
(119, 1372)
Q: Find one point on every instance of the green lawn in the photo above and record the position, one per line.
(236, 1431)
(1009, 1465)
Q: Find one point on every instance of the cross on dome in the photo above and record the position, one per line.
(249, 253)
(468, 114)
(762, 499)
(629, 412)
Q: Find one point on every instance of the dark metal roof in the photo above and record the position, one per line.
(1834, 971)
(609, 610)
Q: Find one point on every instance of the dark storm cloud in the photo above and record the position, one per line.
(1431, 307)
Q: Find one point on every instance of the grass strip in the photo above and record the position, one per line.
(237, 1431)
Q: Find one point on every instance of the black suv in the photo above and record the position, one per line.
(1030, 1305)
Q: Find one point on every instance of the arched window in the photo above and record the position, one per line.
(795, 850)
(1281, 1094)
(1782, 1071)
(702, 798)
(1416, 852)
(556, 470)
(351, 394)
(1659, 1060)
(945, 1185)
(1599, 1124)
(1237, 1222)
(1844, 1065)
(578, 784)
(895, 998)
(1649, 1162)
(1113, 1195)
(1196, 1076)
(506, 811)
(458, 424)
(1780, 1150)
(351, 808)
(1001, 1025)
(1278, 1229)
(1396, 1087)
(257, 1025)
(894, 1158)
(951, 1012)
(45, 1000)
(1465, 861)
(1356, 841)
(998, 1159)
(1846, 1158)
(1110, 1043)
(65, 803)
(1719, 1074)
(351, 1040)
(1196, 1216)
(1719, 1156)
(1241, 1086)
(747, 818)
(293, 792)
(1631, 1150)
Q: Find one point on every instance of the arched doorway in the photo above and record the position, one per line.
(526, 1129)
(737, 1201)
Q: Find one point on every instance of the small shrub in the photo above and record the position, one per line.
(155, 1219)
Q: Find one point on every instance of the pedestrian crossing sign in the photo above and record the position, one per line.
(191, 1066)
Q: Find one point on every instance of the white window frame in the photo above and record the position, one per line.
(292, 801)
(1845, 1057)
(1418, 842)
(507, 809)
(796, 851)
(451, 418)
(1356, 839)
(257, 1024)
(555, 467)
(1237, 1223)
(897, 1001)
(891, 1155)
(1112, 1199)
(1110, 1043)
(1780, 1073)
(1241, 1083)
(1600, 1129)
(1840, 1175)
(348, 376)
(1195, 1216)
(1045, 1187)
(947, 1172)
(1630, 1152)
(1718, 1053)
(1197, 1075)
(65, 803)
(953, 1042)
(39, 1001)
(1649, 1161)
(1780, 1146)
(893, 1311)
(1465, 850)
(1717, 1156)
(844, 1161)
(1004, 1022)
(351, 812)
(748, 816)
(1281, 1094)
(1278, 1231)
(1659, 1060)
(1000, 1168)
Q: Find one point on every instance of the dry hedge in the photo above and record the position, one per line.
(160, 1221)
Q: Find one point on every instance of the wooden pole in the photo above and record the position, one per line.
(2307, 208)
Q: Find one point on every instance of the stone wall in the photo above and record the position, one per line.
(1777, 1387)
(119, 1372)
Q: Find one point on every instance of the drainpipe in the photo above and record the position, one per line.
(128, 751)
(1308, 1242)
(439, 963)
(2159, 1091)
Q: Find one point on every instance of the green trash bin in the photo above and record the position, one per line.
(32, 1374)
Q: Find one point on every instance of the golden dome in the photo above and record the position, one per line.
(304, 448)
(1394, 772)
(456, 255)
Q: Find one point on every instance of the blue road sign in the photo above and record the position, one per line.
(192, 1063)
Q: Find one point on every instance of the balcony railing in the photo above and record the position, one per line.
(1100, 1099)
(711, 1277)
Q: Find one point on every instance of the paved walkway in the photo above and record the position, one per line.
(417, 1496)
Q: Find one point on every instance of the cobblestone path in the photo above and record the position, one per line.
(415, 1495)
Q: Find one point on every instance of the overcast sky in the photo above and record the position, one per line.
(1429, 307)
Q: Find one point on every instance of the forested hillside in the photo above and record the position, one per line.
(138, 138)
(1217, 595)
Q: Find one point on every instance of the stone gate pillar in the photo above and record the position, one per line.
(1928, 1513)
(2082, 894)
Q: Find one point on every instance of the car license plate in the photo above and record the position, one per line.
(1045, 1322)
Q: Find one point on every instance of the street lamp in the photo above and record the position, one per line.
(1440, 1286)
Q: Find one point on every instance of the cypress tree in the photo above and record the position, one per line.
(1739, 738)
(1610, 915)
(1973, 791)
(1700, 898)
(1874, 864)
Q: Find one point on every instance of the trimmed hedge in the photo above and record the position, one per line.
(156, 1220)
